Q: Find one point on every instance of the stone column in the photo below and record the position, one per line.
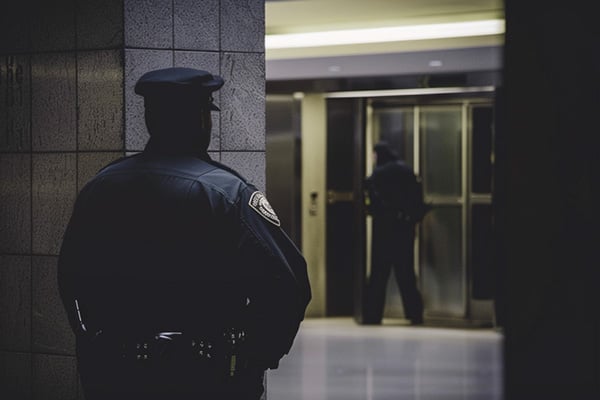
(67, 107)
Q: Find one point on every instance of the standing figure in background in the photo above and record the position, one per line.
(396, 204)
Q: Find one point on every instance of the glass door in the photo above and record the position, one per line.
(442, 232)
(449, 146)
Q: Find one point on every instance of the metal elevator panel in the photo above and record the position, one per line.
(283, 161)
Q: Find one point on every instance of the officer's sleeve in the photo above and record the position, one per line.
(68, 262)
(281, 291)
(375, 206)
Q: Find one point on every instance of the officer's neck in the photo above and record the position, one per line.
(187, 146)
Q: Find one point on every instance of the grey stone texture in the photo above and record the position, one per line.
(243, 25)
(251, 165)
(243, 102)
(215, 155)
(54, 188)
(15, 103)
(51, 332)
(15, 203)
(137, 63)
(15, 303)
(99, 24)
(54, 377)
(14, 27)
(196, 24)
(15, 376)
(100, 99)
(54, 102)
(207, 62)
(52, 25)
(149, 24)
(88, 165)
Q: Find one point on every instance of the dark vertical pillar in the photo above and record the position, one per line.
(552, 97)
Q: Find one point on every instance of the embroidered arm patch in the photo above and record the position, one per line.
(259, 203)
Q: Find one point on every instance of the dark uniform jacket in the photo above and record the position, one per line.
(178, 243)
(396, 194)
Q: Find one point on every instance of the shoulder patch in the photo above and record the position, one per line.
(259, 203)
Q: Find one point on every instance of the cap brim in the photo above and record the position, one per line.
(215, 84)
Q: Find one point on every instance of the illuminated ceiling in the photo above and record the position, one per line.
(391, 57)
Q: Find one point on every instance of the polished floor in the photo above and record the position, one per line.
(338, 359)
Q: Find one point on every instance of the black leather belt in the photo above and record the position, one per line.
(221, 351)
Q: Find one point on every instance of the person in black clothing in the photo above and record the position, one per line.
(396, 204)
(175, 274)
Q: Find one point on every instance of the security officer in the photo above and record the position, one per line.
(396, 204)
(175, 274)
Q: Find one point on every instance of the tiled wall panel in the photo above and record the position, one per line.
(54, 102)
(243, 102)
(15, 303)
(14, 27)
(15, 203)
(149, 24)
(54, 377)
(196, 24)
(54, 190)
(15, 103)
(51, 332)
(100, 99)
(243, 25)
(99, 24)
(88, 165)
(52, 25)
(15, 376)
(251, 165)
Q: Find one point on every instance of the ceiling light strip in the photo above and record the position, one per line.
(409, 92)
(386, 34)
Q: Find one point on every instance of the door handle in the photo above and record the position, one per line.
(334, 196)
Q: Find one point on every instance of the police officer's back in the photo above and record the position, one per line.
(174, 272)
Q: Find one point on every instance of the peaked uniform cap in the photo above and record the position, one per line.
(169, 82)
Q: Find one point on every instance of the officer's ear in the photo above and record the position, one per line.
(206, 119)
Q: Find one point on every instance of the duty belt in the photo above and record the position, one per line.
(224, 350)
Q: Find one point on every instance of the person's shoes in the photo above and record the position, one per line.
(416, 321)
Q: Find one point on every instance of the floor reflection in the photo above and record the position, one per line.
(338, 359)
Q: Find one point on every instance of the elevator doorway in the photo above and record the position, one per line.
(318, 156)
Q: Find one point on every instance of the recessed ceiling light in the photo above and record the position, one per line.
(334, 68)
(435, 63)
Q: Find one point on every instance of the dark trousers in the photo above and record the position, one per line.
(392, 247)
(104, 377)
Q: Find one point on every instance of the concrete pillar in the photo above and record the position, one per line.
(67, 107)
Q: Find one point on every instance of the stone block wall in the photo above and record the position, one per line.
(67, 107)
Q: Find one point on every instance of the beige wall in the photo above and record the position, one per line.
(314, 150)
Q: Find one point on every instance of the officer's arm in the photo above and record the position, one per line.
(375, 204)
(281, 291)
(68, 262)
